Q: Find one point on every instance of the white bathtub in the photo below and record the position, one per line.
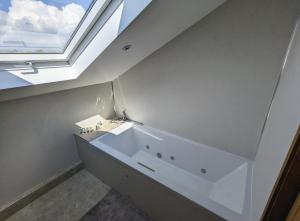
(214, 179)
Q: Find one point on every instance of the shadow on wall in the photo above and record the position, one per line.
(129, 11)
(36, 139)
(8, 80)
(120, 103)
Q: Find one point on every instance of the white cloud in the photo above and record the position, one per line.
(3, 17)
(36, 16)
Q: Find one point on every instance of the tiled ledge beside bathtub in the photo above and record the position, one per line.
(92, 122)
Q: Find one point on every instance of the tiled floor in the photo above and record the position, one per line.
(82, 197)
(68, 201)
(115, 207)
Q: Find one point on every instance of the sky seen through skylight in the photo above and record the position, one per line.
(39, 26)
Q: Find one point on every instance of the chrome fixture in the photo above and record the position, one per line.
(98, 125)
(86, 130)
(29, 63)
(125, 118)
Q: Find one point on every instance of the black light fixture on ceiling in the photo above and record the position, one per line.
(126, 47)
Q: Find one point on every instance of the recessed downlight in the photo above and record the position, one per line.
(126, 47)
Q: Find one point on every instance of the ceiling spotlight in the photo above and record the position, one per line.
(126, 47)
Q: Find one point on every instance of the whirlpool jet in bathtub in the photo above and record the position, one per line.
(214, 179)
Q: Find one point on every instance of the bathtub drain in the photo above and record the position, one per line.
(143, 165)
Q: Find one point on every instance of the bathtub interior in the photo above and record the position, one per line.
(191, 168)
(210, 163)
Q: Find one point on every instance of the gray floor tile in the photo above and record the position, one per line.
(68, 201)
(115, 207)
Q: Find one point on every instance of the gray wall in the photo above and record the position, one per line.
(281, 128)
(214, 83)
(36, 140)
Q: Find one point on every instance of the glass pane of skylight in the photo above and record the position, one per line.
(39, 26)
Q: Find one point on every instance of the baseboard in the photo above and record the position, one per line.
(38, 190)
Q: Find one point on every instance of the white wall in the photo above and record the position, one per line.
(36, 135)
(214, 83)
(280, 130)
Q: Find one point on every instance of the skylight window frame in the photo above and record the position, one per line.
(93, 14)
(111, 24)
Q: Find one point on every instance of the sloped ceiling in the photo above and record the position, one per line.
(162, 21)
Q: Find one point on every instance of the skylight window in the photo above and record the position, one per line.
(39, 26)
(43, 41)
